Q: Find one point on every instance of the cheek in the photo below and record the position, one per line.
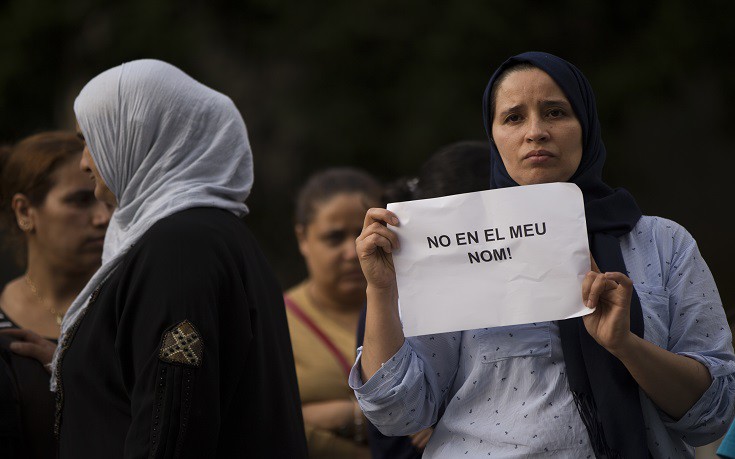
(575, 147)
(509, 161)
(330, 257)
(321, 258)
(62, 232)
(504, 143)
(73, 224)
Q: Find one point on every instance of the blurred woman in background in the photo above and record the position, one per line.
(57, 228)
(323, 311)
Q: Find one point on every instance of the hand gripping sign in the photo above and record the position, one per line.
(491, 258)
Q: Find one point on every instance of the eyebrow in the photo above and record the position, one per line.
(544, 103)
(78, 193)
(509, 110)
(550, 102)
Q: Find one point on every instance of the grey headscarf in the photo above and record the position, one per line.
(162, 143)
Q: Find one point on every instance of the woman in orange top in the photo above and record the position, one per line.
(324, 309)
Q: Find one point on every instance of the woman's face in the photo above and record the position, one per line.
(70, 224)
(535, 129)
(328, 246)
(87, 165)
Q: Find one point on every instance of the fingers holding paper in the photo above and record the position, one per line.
(375, 246)
(383, 329)
(610, 295)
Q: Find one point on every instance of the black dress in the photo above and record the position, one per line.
(26, 404)
(183, 352)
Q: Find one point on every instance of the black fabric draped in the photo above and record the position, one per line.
(603, 389)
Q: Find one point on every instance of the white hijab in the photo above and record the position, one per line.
(162, 143)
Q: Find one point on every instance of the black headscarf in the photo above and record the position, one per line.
(603, 389)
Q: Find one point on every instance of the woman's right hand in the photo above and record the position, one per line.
(30, 344)
(420, 439)
(375, 246)
(383, 329)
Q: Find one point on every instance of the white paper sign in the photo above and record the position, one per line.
(491, 258)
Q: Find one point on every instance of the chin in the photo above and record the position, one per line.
(90, 260)
(541, 178)
(354, 291)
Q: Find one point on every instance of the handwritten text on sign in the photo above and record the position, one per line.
(491, 258)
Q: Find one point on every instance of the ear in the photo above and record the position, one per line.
(25, 215)
(300, 231)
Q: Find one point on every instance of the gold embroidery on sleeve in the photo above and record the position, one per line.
(182, 345)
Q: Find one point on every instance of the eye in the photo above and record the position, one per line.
(512, 118)
(80, 136)
(555, 113)
(333, 238)
(81, 199)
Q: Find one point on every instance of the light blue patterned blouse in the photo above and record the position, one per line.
(503, 392)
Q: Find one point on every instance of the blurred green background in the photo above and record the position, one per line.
(382, 84)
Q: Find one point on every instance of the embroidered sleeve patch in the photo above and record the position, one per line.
(183, 345)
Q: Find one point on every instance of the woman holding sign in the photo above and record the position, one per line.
(650, 372)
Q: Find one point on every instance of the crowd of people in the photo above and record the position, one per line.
(148, 323)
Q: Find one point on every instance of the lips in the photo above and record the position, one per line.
(539, 157)
(538, 154)
(353, 275)
(96, 241)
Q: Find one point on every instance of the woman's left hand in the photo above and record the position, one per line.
(674, 382)
(610, 294)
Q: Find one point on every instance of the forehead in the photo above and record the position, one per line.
(68, 175)
(526, 87)
(340, 208)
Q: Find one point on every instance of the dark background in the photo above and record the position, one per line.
(382, 84)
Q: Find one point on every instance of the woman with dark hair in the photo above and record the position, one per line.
(178, 346)
(324, 309)
(460, 167)
(56, 227)
(650, 373)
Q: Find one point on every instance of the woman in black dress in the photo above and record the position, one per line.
(178, 346)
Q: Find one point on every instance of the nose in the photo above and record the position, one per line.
(101, 214)
(350, 249)
(537, 130)
(83, 163)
